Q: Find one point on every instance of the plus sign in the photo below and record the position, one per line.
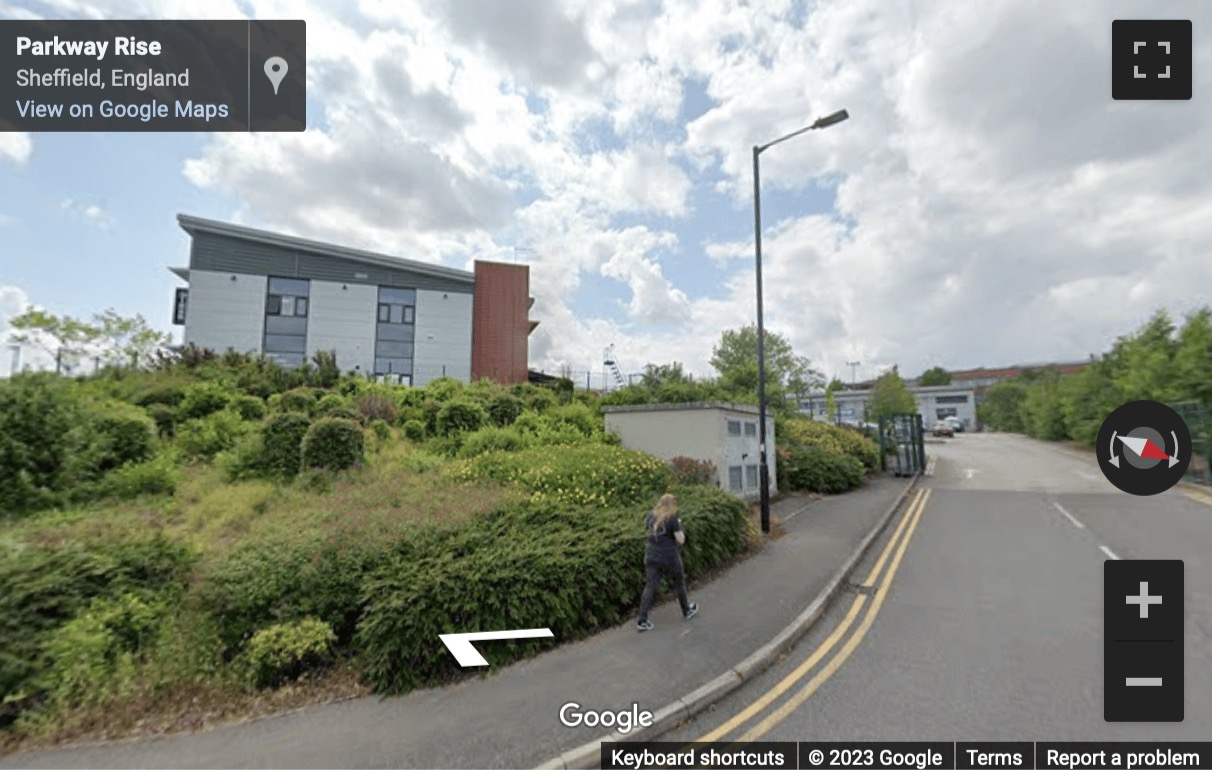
(1144, 600)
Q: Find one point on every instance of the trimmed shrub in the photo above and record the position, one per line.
(109, 435)
(282, 441)
(334, 445)
(460, 416)
(246, 460)
(202, 399)
(376, 405)
(381, 428)
(343, 413)
(686, 470)
(414, 430)
(525, 553)
(298, 400)
(285, 651)
(249, 407)
(210, 435)
(504, 409)
(541, 400)
(330, 402)
(430, 409)
(831, 438)
(164, 395)
(492, 438)
(813, 469)
(408, 413)
(444, 389)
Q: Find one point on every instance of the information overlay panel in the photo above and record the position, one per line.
(913, 755)
(153, 75)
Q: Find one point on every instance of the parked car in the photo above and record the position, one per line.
(957, 425)
(942, 429)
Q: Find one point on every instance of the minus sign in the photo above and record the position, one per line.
(1144, 681)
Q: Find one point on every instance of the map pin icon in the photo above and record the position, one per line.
(275, 70)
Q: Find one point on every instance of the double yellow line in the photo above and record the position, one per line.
(898, 544)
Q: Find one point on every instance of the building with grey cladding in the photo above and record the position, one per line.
(397, 319)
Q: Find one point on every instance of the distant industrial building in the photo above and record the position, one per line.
(391, 318)
(724, 434)
(982, 379)
(934, 403)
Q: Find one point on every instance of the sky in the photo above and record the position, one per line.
(987, 203)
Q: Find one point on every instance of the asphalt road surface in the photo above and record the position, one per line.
(986, 622)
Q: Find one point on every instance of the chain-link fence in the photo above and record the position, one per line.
(1195, 415)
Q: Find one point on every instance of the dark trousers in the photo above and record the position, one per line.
(655, 572)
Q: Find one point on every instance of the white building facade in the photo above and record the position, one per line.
(934, 403)
(722, 433)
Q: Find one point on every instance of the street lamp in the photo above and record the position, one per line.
(824, 122)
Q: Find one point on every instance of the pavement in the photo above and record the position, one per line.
(749, 618)
(991, 627)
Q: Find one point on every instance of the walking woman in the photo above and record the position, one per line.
(663, 558)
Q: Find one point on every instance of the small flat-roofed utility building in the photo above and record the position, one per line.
(725, 434)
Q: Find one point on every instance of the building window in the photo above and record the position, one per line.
(734, 478)
(751, 429)
(951, 400)
(395, 332)
(734, 427)
(751, 475)
(946, 412)
(286, 320)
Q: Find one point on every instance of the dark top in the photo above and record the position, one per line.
(661, 545)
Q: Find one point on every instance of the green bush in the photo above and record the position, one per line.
(376, 405)
(420, 461)
(164, 416)
(170, 395)
(812, 469)
(97, 652)
(504, 409)
(37, 414)
(285, 651)
(329, 402)
(460, 416)
(202, 399)
(47, 585)
(580, 417)
(492, 438)
(409, 413)
(245, 460)
(512, 569)
(430, 409)
(588, 475)
(157, 476)
(381, 428)
(541, 400)
(333, 444)
(831, 438)
(249, 407)
(109, 435)
(298, 400)
(343, 413)
(210, 435)
(414, 430)
(443, 389)
(282, 441)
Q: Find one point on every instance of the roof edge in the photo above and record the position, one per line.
(194, 225)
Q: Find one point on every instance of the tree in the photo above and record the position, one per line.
(890, 396)
(936, 375)
(65, 338)
(128, 340)
(735, 358)
(1001, 408)
(1193, 359)
(656, 375)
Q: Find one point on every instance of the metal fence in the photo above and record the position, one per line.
(901, 437)
(1195, 415)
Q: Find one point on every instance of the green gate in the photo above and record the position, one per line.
(901, 437)
(1195, 415)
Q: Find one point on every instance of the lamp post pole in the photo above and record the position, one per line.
(763, 466)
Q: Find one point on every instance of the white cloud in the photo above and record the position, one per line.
(91, 213)
(15, 146)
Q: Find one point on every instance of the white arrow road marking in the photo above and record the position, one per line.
(460, 644)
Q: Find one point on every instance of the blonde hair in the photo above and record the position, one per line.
(665, 508)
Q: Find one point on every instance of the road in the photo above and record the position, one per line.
(991, 625)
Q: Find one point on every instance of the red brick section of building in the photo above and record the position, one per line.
(500, 322)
